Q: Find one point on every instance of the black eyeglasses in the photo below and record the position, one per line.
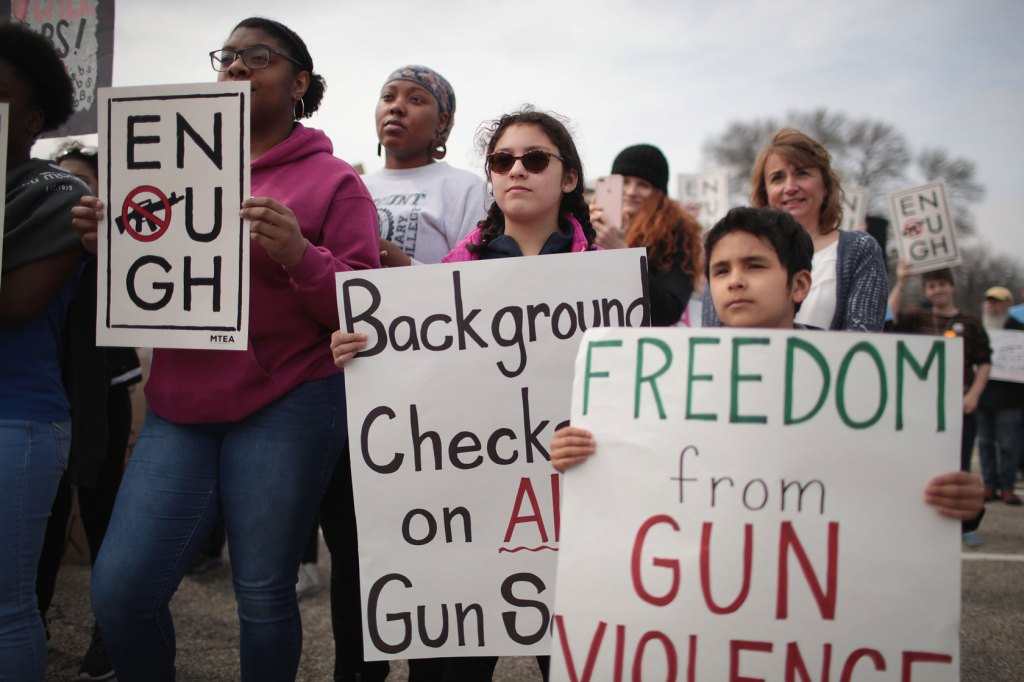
(534, 161)
(255, 57)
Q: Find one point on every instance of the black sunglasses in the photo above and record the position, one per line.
(534, 161)
(255, 57)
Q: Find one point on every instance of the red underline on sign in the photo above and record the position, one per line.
(528, 549)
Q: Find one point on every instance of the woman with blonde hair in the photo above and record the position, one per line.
(848, 283)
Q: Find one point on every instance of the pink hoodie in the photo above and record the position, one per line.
(291, 312)
(462, 253)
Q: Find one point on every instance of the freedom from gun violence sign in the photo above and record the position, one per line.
(755, 511)
(923, 226)
(451, 410)
(705, 195)
(173, 252)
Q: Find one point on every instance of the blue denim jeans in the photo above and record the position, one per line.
(33, 456)
(999, 434)
(266, 473)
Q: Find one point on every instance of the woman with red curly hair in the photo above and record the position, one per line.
(650, 219)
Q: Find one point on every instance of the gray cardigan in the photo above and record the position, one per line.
(862, 288)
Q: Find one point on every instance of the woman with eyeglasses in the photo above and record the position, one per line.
(651, 219)
(537, 178)
(41, 256)
(252, 435)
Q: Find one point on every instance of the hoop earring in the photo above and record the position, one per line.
(439, 151)
(301, 103)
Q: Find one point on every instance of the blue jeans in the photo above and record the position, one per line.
(33, 456)
(999, 430)
(266, 473)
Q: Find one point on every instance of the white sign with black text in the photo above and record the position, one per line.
(855, 209)
(706, 195)
(923, 225)
(173, 252)
(451, 410)
(1007, 354)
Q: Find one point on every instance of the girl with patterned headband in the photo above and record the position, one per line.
(425, 207)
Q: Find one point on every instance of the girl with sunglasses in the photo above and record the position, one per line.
(537, 180)
(252, 435)
(651, 219)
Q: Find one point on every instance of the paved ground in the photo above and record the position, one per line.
(992, 632)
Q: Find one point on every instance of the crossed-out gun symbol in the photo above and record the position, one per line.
(136, 218)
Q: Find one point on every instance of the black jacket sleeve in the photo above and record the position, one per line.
(670, 293)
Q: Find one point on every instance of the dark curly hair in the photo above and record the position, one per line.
(36, 63)
(573, 203)
(790, 241)
(299, 52)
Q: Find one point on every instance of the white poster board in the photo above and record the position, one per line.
(1007, 354)
(855, 209)
(173, 252)
(755, 508)
(705, 195)
(468, 373)
(693, 314)
(4, 132)
(923, 225)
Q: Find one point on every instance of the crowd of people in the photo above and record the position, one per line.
(263, 448)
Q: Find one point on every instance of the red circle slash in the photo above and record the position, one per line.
(146, 213)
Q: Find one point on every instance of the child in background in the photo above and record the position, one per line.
(758, 267)
(538, 209)
(945, 319)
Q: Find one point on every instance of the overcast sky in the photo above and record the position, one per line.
(670, 72)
